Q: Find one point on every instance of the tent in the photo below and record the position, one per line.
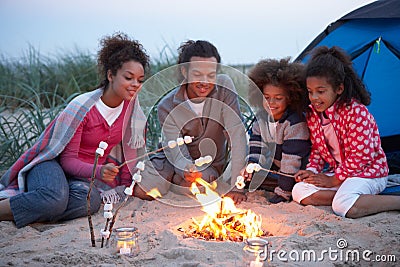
(371, 35)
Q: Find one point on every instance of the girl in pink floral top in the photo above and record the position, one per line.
(347, 167)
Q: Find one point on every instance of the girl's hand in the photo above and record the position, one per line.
(108, 172)
(302, 174)
(322, 180)
(247, 176)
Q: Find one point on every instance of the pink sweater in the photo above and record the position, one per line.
(78, 156)
(359, 142)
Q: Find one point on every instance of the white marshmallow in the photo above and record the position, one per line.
(240, 185)
(137, 177)
(171, 144)
(105, 233)
(100, 151)
(250, 168)
(108, 214)
(103, 145)
(257, 167)
(140, 165)
(180, 141)
(199, 162)
(129, 190)
(187, 139)
(108, 206)
(207, 159)
(240, 179)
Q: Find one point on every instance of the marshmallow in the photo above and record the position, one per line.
(103, 145)
(250, 168)
(187, 139)
(105, 233)
(240, 179)
(240, 185)
(129, 190)
(180, 141)
(100, 151)
(257, 167)
(108, 214)
(171, 144)
(207, 159)
(198, 162)
(140, 165)
(108, 206)
(137, 177)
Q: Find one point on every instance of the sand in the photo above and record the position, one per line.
(295, 231)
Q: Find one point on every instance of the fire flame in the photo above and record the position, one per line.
(154, 193)
(223, 220)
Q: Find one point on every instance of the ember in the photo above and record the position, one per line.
(223, 221)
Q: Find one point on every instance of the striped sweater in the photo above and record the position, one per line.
(289, 149)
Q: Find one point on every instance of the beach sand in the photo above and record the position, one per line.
(294, 230)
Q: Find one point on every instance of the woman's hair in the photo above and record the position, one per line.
(117, 50)
(280, 73)
(199, 48)
(336, 66)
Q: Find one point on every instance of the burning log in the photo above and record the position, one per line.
(222, 221)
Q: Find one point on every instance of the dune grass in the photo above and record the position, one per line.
(35, 88)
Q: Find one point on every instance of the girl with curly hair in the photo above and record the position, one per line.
(279, 137)
(50, 181)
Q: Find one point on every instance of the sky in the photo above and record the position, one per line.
(243, 31)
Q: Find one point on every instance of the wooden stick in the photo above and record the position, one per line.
(105, 229)
(114, 218)
(92, 237)
(142, 156)
(280, 173)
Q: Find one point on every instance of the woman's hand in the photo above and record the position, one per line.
(108, 172)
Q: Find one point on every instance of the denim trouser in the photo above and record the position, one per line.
(51, 197)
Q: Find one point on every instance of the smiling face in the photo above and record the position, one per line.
(200, 74)
(277, 99)
(125, 85)
(321, 93)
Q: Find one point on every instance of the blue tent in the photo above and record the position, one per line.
(371, 35)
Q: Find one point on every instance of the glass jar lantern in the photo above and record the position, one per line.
(255, 252)
(126, 241)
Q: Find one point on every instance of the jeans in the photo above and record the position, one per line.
(51, 197)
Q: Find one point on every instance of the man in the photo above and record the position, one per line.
(205, 106)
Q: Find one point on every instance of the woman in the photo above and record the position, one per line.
(50, 181)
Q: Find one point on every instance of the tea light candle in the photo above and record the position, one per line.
(127, 241)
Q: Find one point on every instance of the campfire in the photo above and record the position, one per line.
(223, 221)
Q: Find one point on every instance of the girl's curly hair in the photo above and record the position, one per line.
(117, 50)
(283, 74)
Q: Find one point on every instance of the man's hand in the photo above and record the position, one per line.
(247, 176)
(108, 172)
(237, 197)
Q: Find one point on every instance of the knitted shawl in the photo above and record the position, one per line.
(56, 136)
